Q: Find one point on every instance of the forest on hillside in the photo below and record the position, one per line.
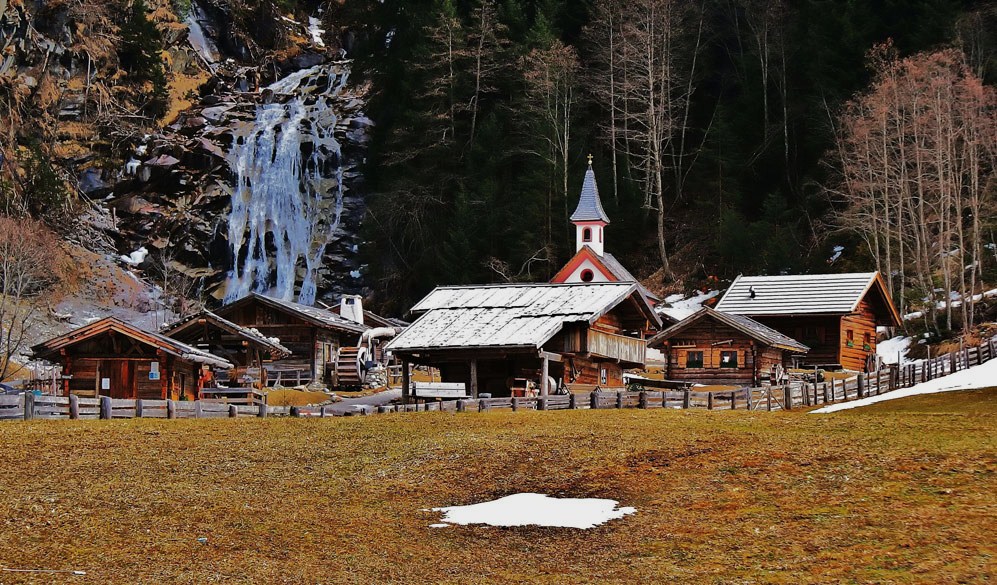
(719, 129)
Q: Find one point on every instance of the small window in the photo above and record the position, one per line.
(587, 275)
(728, 359)
(603, 376)
(693, 359)
(866, 338)
(850, 335)
(587, 235)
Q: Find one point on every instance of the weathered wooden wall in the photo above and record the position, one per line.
(702, 337)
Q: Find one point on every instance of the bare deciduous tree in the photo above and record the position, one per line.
(551, 75)
(28, 268)
(917, 155)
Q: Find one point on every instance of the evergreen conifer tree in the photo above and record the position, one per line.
(141, 47)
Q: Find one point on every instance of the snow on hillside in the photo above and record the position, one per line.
(956, 301)
(983, 376)
(893, 350)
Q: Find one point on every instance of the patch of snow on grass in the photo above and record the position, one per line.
(528, 509)
(984, 376)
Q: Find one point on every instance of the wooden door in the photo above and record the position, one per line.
(121, 374)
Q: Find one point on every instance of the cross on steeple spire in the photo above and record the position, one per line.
(590, 159)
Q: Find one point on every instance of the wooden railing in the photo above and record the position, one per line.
(620, 347)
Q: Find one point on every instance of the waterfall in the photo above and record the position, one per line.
(288, 195)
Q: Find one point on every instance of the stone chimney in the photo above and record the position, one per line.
(351, 307)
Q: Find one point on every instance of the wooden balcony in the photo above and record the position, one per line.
(619, 347)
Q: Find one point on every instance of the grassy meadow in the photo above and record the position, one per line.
(901, 492)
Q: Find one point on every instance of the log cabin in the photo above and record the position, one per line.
(836, 315)
(312, 335)
(246, 348)
(112, 358)
(499, 339)
(710, 347)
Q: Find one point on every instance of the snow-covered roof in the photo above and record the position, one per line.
(167, 344)
(521, 316)
(315, 315)
(803, 294)
(589, 205)
(742, 323)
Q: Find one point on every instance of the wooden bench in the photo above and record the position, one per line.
(445, 390)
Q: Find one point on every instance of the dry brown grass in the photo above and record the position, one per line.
(293, 397)
(879, 495)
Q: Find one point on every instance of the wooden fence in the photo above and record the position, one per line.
(768, 398)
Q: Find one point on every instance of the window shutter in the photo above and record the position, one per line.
(682, 357)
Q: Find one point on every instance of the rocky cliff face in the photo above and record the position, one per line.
(250, 180)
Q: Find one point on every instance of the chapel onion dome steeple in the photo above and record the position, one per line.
(589, 205)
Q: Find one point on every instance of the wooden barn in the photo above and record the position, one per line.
(710, 347)
(836, 315)
(312, 335)
(112, 358)
(247, 349)
(498, 339)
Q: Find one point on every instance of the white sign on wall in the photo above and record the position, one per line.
(105, 383)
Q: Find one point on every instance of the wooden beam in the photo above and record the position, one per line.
(474, 378)
(544, 390)
(405, 382)
(554, 357)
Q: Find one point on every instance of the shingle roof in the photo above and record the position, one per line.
(742, 323)
(805, 294)
(589, 206)
(167, 344)
(520, 316)
(624, 275)
(274, 348)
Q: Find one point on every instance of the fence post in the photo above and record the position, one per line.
(233, 411)
(139, 407)
(861, 386)
(263, 410)
(642, 399)
(619, 399)
(733, 400)
(594, 400)
(171, 409)
(686, 398)
(380, 410)
(542, 403)
(572, 401)
(787, 397)
(29, 405)
(824, 388)
(198, 413)
(105, 407)
(709, 401)
(747, 396)
(74, 407)
(768, 397)
(461, 406)
(515, 403)
(482, 405)
(295, 412)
